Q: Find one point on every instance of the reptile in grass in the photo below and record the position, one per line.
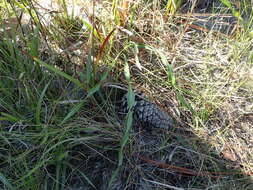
(146, 114)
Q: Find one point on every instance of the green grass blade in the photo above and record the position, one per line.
(64, 175)
(8, 117)
(93, 90)
(184, 103)
(58, 175)
(87, 179)
(59, 72)
(90, 70)
(172, 6)
(127, 72)
(129, 121)
(33, 170)
(72, 112)
(6, 182)
(136, 55)
(230, 6)
(34, 43)
(91, 28)
(96, 87)
(38, 108)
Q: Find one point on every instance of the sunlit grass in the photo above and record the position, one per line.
(58, 116)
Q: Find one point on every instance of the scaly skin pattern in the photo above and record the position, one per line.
(147, 114)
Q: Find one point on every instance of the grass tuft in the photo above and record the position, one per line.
(65, 66)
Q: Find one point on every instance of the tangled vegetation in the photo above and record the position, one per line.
(65, 64)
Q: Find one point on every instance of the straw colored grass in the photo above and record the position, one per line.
(62, 76)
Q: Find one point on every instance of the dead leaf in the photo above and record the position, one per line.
(229, 154)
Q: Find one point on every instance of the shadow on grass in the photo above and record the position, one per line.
(39, 151)
(83, 153)
(177, 159)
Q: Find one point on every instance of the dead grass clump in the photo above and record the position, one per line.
(60, 124)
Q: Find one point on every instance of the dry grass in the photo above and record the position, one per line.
(200, 77)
